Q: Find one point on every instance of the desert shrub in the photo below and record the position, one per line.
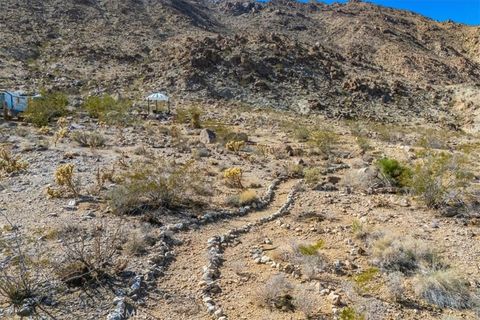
(445, 289)
(395, 286)
(302, 134)
(307, 256)
(65, 178)
(312, 175)
(392, 172)
(90, 254)
(359, 230)
(276, 294)
(363, 143)
(22, 280)
(233, 177)
(293, 170)
(306, 303)
(164, 184)
(107, 109)
(89, 139)
(349, 313)
(189, 116)
(440, 180)
(324, 141)
(41, 111)
(9, 163)
(136, 244)
(394, 253)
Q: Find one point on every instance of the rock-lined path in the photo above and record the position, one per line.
(182, 289)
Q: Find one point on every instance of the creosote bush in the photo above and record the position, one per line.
(323, 141)
(108, 110)
(165, 184)
(392, 172)
(440, 180)
(41, 111)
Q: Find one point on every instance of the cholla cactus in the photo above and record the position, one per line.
(9, 163)
(64, 176)
(60, 134)
(62, 122)
(44, 130)
(233, 177)
(235, 146)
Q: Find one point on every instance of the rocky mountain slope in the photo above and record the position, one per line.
(348, 60)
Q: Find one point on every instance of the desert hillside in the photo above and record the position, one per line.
(343, 60)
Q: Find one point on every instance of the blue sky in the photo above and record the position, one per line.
(462, 11)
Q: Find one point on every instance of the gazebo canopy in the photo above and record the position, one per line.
(157, 96)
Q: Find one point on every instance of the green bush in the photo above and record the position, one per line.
(105, 108)
(440, 180)
(88, 139)
(40, 111)
(392, 172)
(323, 140)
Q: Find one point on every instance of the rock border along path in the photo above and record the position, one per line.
(164, 253)
(216, 247)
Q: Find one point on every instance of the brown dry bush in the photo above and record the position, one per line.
(163, 185)
(90, 255)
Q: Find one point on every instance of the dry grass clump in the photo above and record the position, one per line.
(138, 243)
(21, 279)
(246, 197)
(445, 289)
(395, 253)
(166, 184)
(9, 163)
(89, 139)
(276, 294)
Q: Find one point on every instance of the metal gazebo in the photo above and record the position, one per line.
(158, 96)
